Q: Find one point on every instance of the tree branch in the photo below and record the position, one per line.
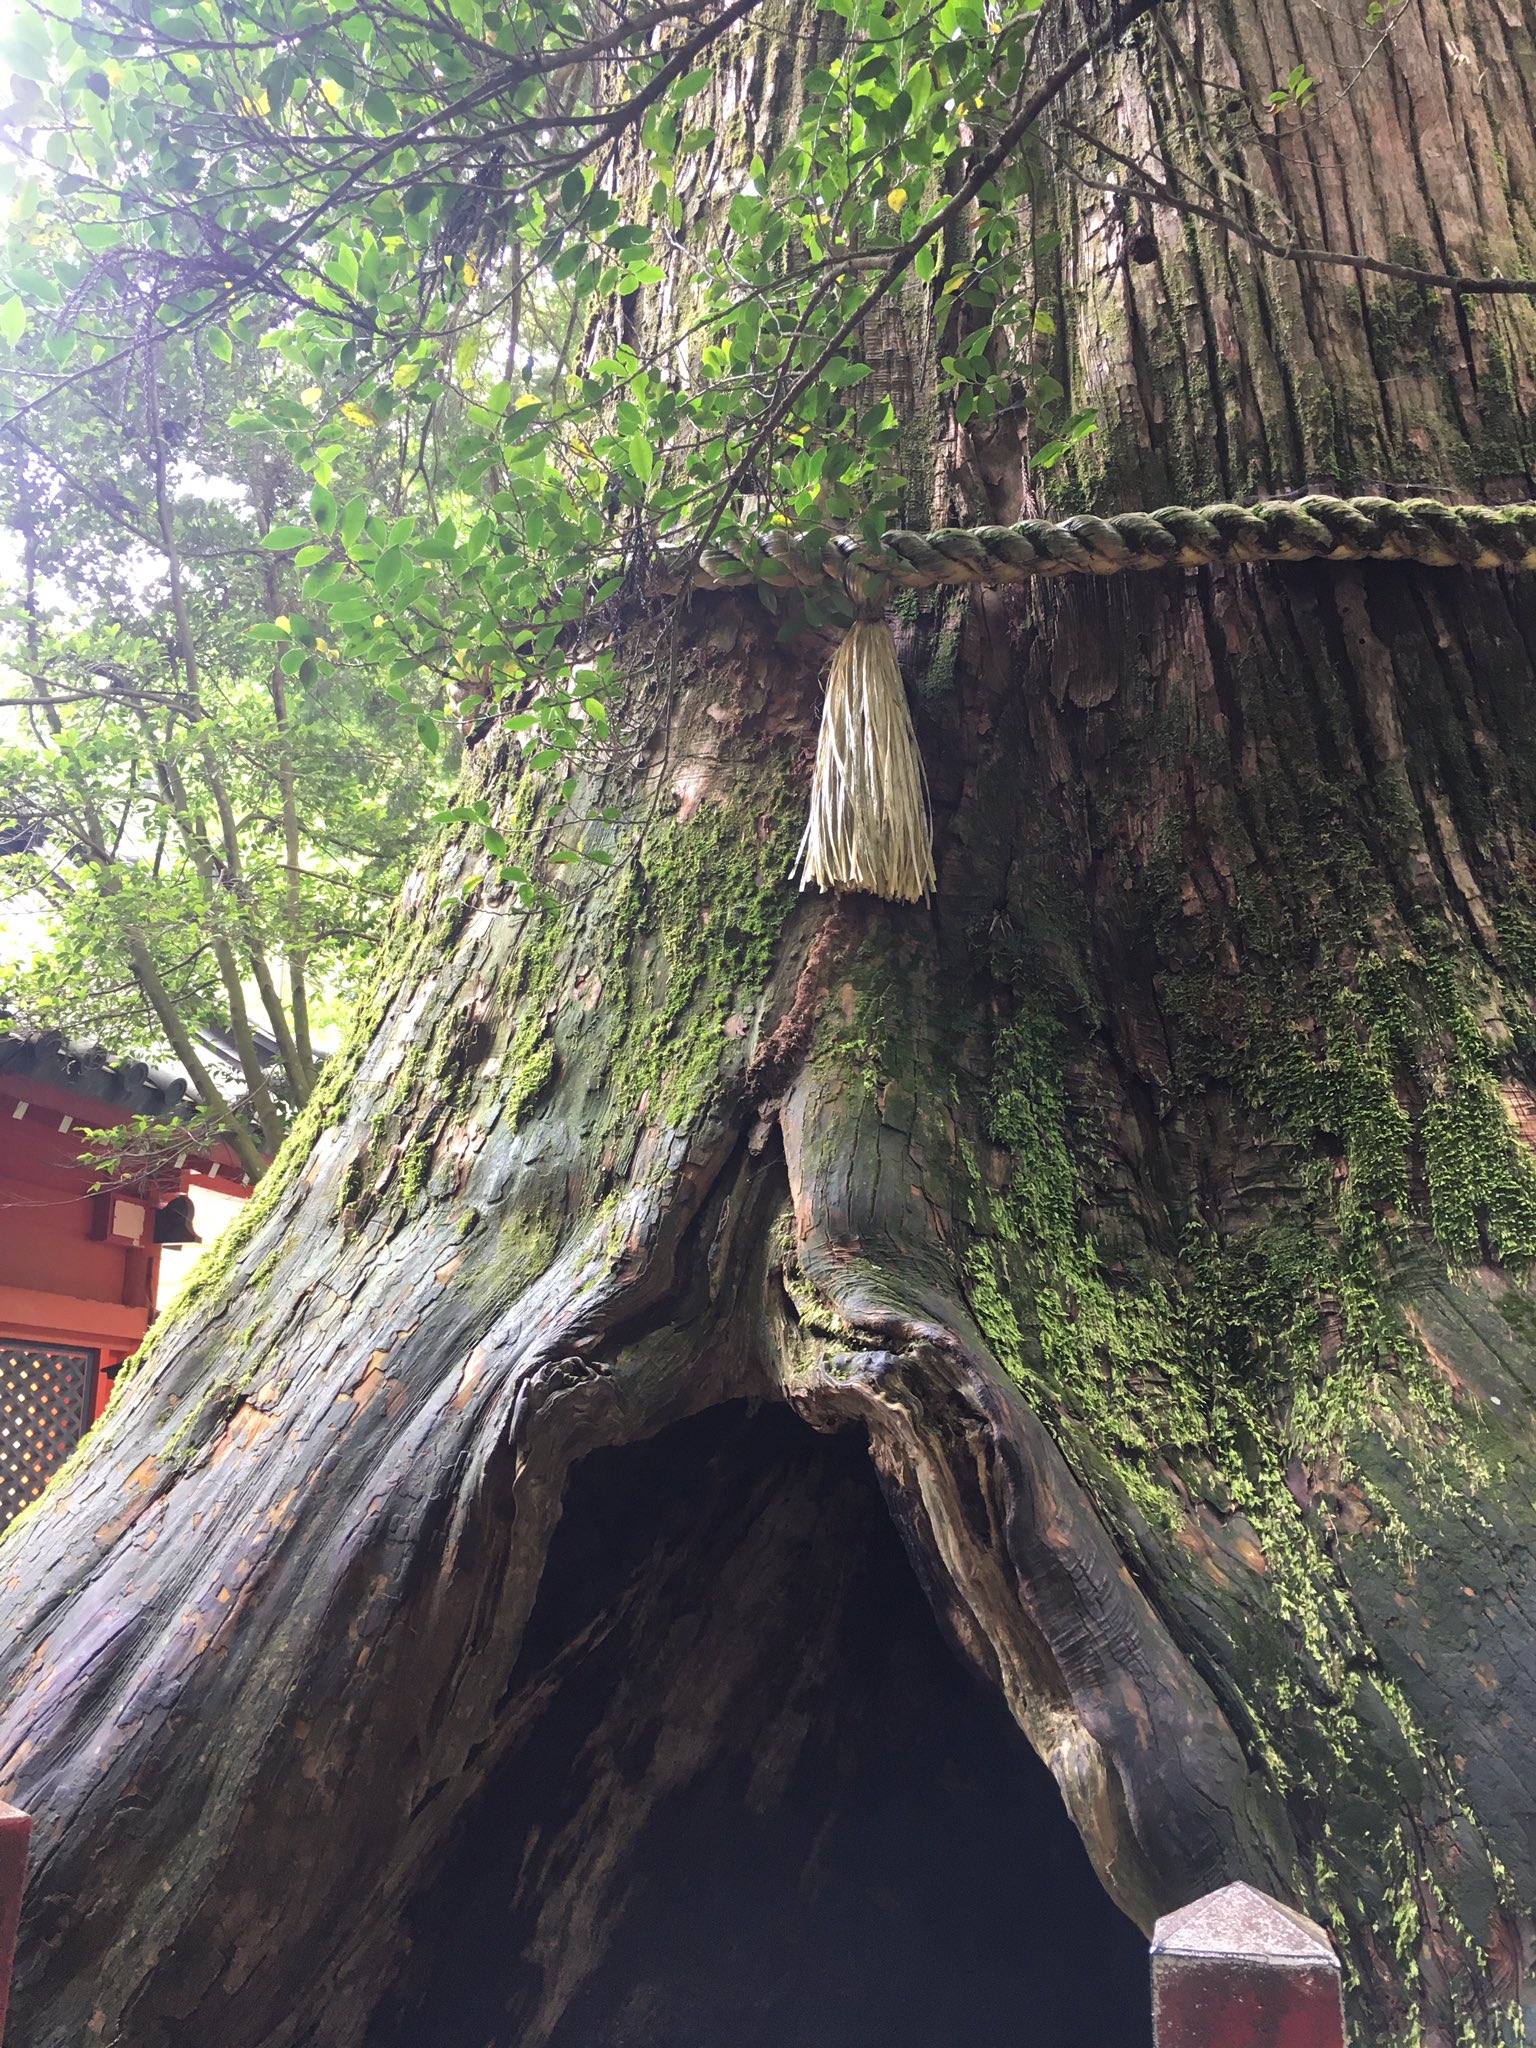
(1027, 112)
(1159, 193)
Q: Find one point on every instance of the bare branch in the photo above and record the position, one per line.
(1158, 193)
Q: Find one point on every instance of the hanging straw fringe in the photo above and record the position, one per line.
(870, 826)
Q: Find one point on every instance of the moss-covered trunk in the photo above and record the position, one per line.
(1158, 1200)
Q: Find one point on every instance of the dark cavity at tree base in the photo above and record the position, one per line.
(755, 1799)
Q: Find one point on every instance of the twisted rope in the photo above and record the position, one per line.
(1423, 530)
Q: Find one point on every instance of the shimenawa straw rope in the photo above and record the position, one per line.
(870, 827)
(1423, 530)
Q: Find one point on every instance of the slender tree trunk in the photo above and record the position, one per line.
(294, 947)
(227, 873)
(195, 842)
(1158, 1200)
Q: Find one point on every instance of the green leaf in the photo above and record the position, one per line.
(220, 345)
(13, 320)
(319, 583)
(322, 508)
(386, 570)
(642, 457)
(282, 538)
(443, 544)
(342, 270)
(354, 518)
(428, 733)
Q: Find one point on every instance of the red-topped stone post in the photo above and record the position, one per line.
(1239, 1970)
(15, 1833)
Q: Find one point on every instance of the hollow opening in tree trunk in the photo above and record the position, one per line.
(749, 1796)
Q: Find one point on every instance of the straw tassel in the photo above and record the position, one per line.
(870, 825)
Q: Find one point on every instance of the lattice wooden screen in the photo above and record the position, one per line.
(45, 1391)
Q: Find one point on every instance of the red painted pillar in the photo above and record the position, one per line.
(1238, 1970)
(15, 1833)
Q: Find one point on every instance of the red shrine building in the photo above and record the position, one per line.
(80, 1270)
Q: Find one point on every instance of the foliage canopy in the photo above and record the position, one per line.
(441, 234)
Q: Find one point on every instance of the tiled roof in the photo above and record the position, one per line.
(132, 1086)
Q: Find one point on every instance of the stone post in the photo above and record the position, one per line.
(1238, 1970)
(15, 1833)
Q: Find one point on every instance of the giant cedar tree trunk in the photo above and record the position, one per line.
(1157, 1200)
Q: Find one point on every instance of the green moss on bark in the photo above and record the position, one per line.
(1237, 1393)
(690, 946)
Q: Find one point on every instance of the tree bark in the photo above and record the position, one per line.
(1158, 1200)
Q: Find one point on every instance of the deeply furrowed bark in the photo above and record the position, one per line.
(1158, 1200)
